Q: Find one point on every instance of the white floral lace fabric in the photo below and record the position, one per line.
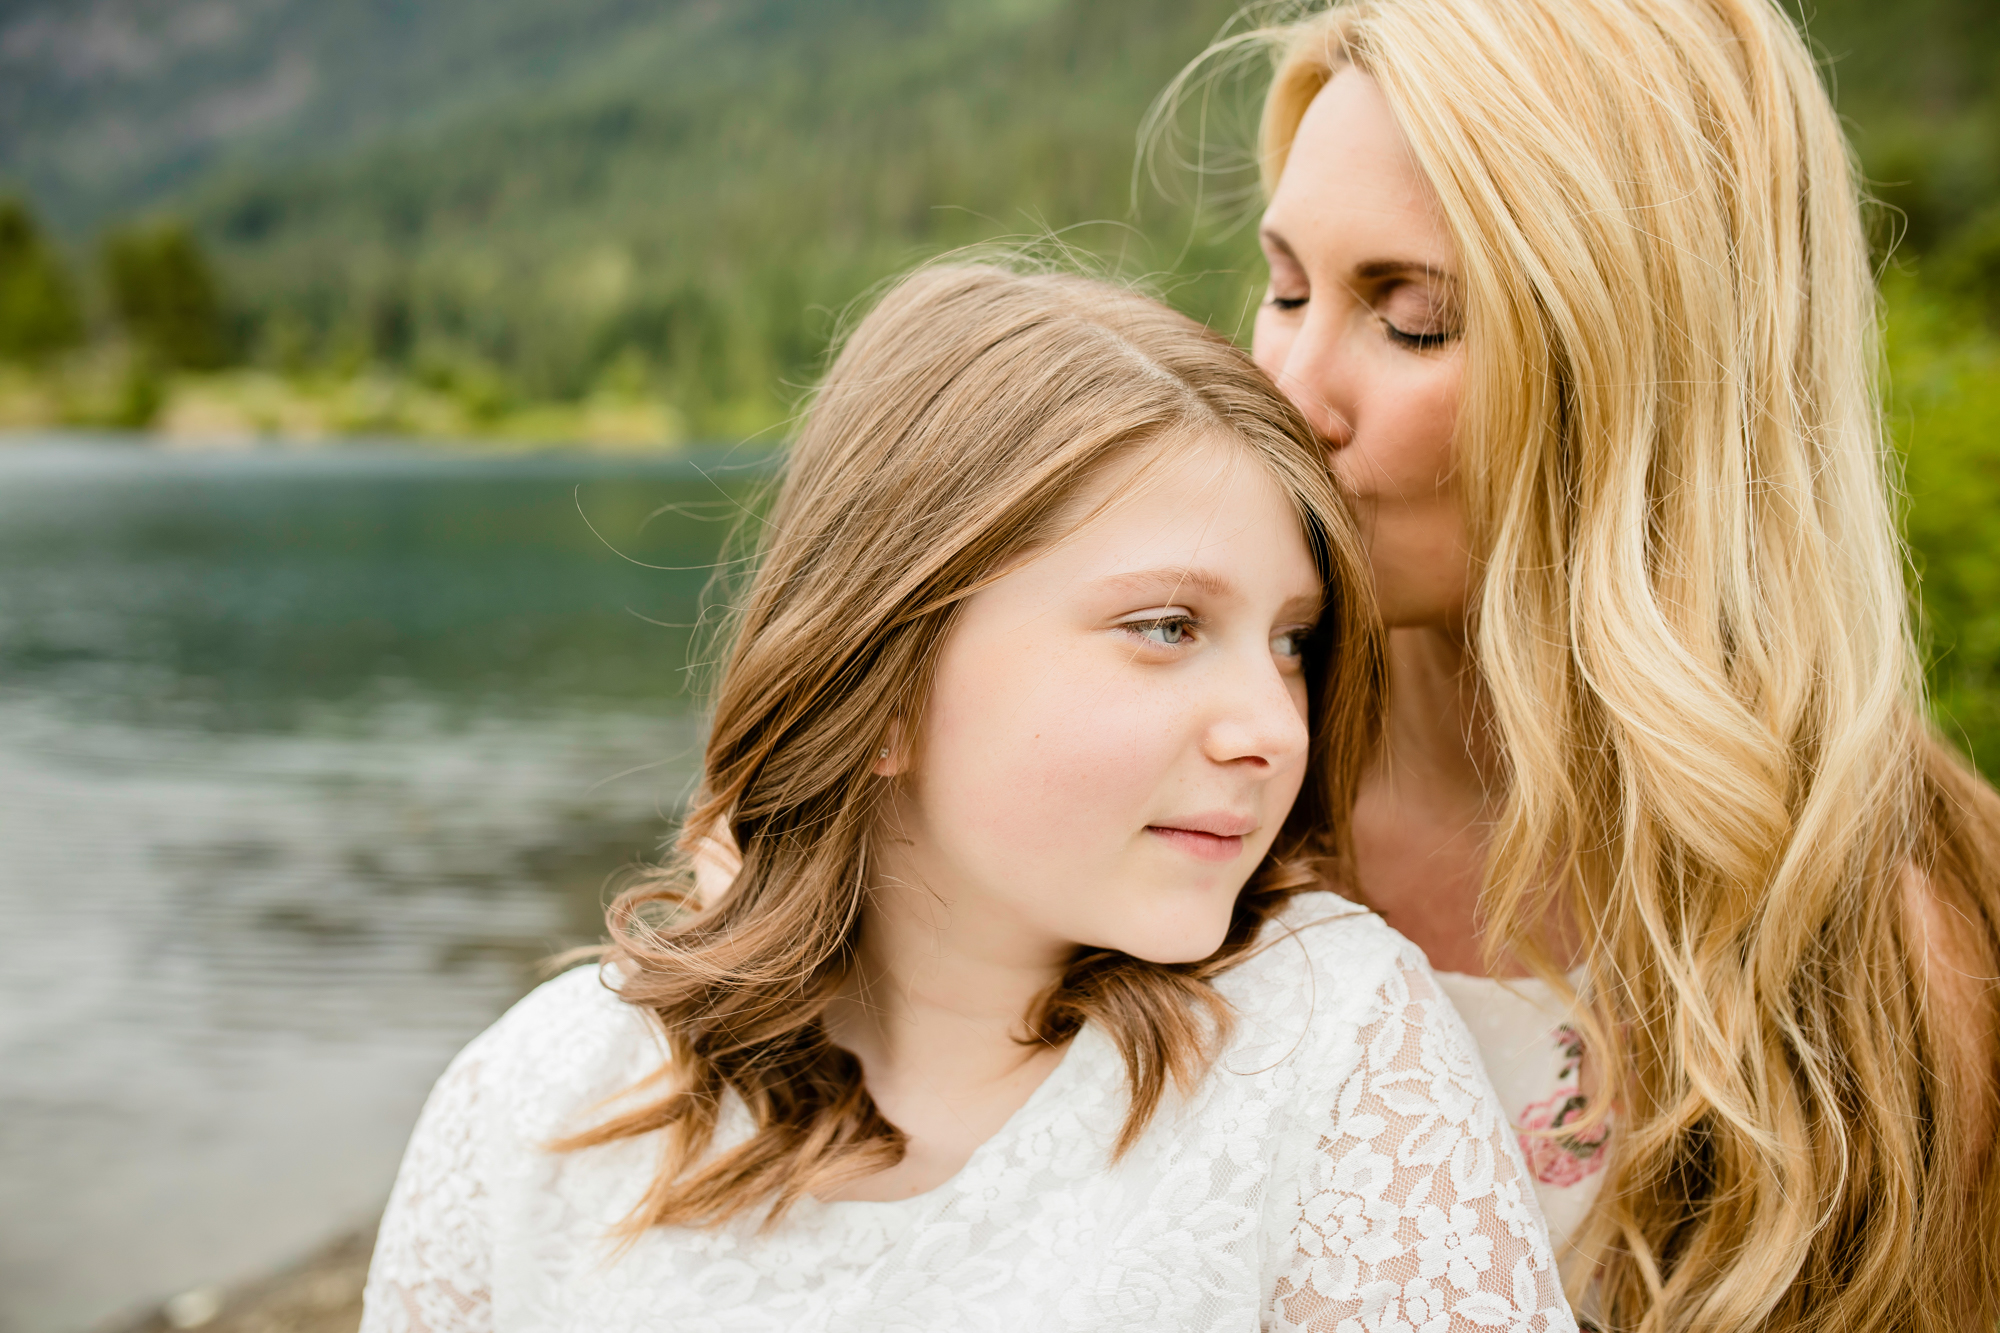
(1533, 1052)
(1344, 1169)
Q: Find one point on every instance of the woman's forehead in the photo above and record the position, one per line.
(1352, 183)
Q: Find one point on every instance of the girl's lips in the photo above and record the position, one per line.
(1201, 846)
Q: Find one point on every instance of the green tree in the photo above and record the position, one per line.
(1969, 267)
(38, 308)
(166, 295)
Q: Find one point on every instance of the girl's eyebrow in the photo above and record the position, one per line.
(1171, 579)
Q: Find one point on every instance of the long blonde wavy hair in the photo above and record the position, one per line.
(1691, 619)
(954, 432)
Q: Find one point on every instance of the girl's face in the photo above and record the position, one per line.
(1117, 728)
(1360, 328)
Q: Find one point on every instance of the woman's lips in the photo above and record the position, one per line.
(1202, 846)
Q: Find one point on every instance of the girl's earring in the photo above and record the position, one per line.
(886, 758)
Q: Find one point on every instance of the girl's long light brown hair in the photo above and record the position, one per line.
(952, 434)
(1691, 621)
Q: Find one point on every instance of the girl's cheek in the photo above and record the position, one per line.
(1105, 768)
(1076, 777)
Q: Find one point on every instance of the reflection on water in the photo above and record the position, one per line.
(304, 761)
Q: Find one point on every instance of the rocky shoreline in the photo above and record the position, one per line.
(319, 1294)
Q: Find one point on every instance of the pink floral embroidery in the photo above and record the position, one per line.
(1562, 1160)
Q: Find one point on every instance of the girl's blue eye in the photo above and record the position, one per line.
(1290, 643)
(1170, 632)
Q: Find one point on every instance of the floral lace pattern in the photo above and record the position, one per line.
(1534, 1055)
(1344, 1169)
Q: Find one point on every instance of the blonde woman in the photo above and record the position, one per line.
(1023, 1010)
(1577, 293)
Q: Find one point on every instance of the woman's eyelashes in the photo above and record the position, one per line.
(1414, 320)
(1417, 315)
(1417, 341)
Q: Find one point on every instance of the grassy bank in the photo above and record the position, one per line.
(245, 405)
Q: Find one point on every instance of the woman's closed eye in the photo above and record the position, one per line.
(1417, 315)
(1417, 341)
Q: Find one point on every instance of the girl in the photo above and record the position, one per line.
(1043, 706)
(1577, 292)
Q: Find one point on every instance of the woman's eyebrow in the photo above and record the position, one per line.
(1368, 270)
(1273, 241)
(1373, 270)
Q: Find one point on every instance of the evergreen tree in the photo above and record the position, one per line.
(38, 308)
(166, 295)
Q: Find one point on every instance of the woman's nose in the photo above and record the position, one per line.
(1317, 378)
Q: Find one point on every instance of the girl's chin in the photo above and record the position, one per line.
(1182, 946)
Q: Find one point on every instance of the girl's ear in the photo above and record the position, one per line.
(893, 758)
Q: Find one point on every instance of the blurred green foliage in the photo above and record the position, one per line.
(165, 295)
(1919, 84)
(1944, 368)
(39, 314)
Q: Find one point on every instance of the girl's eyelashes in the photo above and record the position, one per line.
(1288, 645)
(1179, 629)
(1158, 630)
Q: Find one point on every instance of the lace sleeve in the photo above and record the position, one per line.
(432, 1265)
(1413, 1208)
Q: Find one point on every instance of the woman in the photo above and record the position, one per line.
(1577, 291)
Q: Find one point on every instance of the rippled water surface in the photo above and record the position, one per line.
(305, 760)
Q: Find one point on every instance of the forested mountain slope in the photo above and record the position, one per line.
(547, 193)
(681, 190)
(105, 105)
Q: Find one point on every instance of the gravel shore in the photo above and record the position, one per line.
(320, 1294)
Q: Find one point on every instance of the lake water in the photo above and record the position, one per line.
(306, 759)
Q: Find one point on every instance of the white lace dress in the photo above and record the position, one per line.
(1345, 1167)
(1534, 1054)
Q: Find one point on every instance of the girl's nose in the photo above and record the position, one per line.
(1262, 724)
